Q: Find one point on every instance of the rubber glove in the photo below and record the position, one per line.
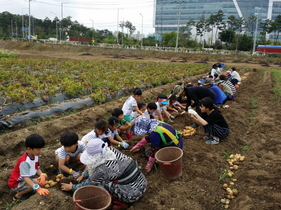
(42, 191)
(124, 145)
(75, 174)
(189, 107)
(191, 111)
(42, 179)
(149, 164)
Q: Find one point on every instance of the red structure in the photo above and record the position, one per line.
(79, 39)
(269, 48)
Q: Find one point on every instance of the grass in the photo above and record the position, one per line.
(226, 155)
(223, 175)
(245, 148)
(276, 76)
(9, 206)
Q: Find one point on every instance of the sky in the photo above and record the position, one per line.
(102, 14)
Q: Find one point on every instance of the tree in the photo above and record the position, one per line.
(130, 27)
(216, 22)
(251, 24)
(169, 39)
(276, 27)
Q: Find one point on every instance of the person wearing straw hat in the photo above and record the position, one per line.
(159, 135)
(111, 169)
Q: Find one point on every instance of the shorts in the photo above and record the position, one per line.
(128, 118)
(22, 186)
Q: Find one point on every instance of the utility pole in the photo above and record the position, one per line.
(179, 15)
(56, 24)
(141, 30)
(61, 21)
(118, 25)
(162, 20)
(256, 30)
(29, 25)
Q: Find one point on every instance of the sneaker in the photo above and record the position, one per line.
(172, 117)
(207, 137)
(194, 125)
(213, 141)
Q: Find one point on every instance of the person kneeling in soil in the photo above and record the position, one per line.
(159, 135)
(214, 124)
(111, 169)
(23, 177)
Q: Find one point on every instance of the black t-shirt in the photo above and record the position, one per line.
(215, 118)
(197, 93)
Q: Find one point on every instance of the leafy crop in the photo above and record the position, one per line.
(26, 79)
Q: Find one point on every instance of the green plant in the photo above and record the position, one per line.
(226, 155)
(9, 206)
(245, 148)
(254, 101)
(223, 175)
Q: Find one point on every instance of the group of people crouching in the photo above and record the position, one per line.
(103, 163)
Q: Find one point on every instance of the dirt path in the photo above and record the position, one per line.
(254, 118)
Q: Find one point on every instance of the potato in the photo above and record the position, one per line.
(235, 192)
(234, 180)
(226, 206)
(222, 200)
(47, 185)
(224, 186)
(57, 180)
(59, 176)
(53, 183)
(235, 167)
(231, 183)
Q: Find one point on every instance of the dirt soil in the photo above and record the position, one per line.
(254, 118)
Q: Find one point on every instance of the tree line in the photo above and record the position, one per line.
(227, 32)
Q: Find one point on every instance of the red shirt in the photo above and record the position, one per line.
(17, 174)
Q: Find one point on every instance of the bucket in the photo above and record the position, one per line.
(91, 198)
(170, 161)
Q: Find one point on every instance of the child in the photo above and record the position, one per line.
(212, 121)
(174, 105)
(131, 105)
(162, 109)
(23, 177)
(68, 156)
(100, 131)
(150, 110)
(124, 126)
(142, 108)
(113, 123)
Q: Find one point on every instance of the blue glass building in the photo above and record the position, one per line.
(166, 12)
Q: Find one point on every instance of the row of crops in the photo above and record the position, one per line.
(27, 79)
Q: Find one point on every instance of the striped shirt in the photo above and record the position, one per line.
(81, 147)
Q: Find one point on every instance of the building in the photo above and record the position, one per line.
(169, 14)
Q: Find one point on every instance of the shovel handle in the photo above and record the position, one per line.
(167, 164)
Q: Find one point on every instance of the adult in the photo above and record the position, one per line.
(214, 124)
(113, 170)
(159, 135)
(220, 96)
(194, 93)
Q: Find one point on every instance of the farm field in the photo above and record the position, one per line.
(254, 118)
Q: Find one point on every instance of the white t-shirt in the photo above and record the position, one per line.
(236, 75)
(213, 71)
(112, 133)
(128, 106)
(92, 135)
(62, 153)
(160, 108)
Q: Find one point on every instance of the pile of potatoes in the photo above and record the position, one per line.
(231, 192)
(51, 183)
(188, 131)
